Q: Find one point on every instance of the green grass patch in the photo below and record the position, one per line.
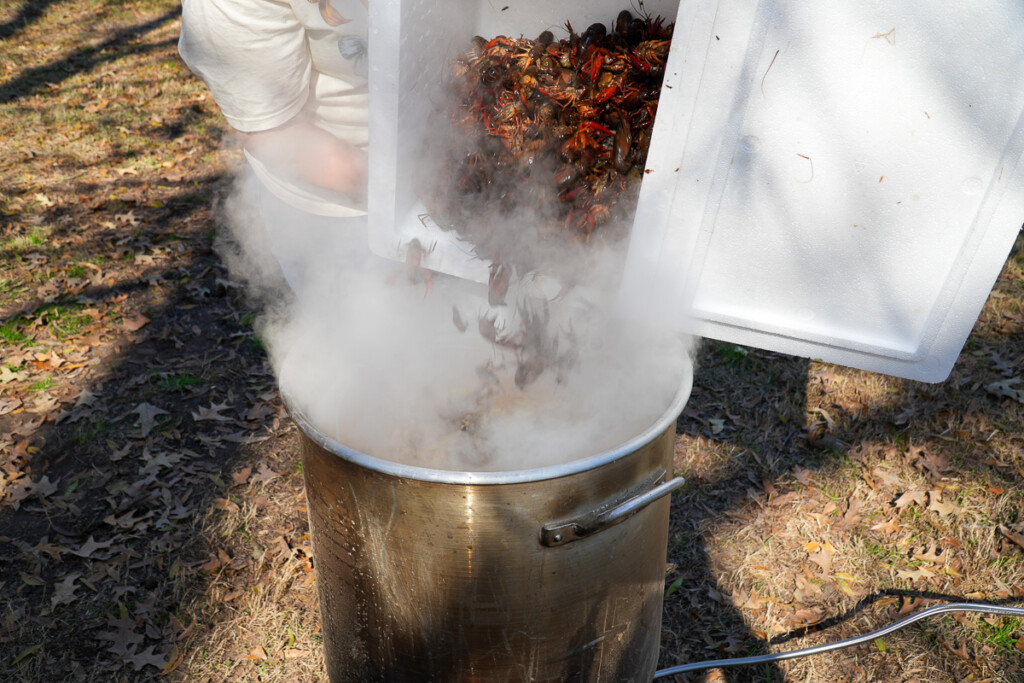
(12, 332)
(177, 383)
(65, 320)
(91, 431)
(77, 271)
(42, 385)
(9, 289)
(733, 356)
(1003, 635)
(35, 239)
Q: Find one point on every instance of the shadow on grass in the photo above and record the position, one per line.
(29, 13)
(106, 497)
(118, 45)
(737, 382)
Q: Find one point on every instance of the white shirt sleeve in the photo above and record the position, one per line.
(252, 55)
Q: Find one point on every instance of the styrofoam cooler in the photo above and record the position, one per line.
(827, 179)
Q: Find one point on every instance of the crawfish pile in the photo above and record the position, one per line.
(550, 139)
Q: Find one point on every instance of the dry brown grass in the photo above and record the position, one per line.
(256, 617)
(832, 498)
(809, 514)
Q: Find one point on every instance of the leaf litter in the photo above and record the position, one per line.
(151, 507)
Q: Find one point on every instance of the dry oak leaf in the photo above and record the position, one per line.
(131, 323)
(803, 476)
(90, 548)
(888, 528)
(146, 658)
(885, 477)
(821, 555)
(852, 517)
(915, 574)
(257, 653)
(806, 616)
(934, 465)
(911, 497)
(264, 474)
(935, 504)
(212, 413)
(64, 592)
(147, 416)
(960, 652)
(931, 554)
(241, 476)
(1012, 535)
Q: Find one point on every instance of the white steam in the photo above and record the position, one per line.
(376, 359)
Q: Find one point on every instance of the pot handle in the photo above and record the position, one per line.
(560, 533)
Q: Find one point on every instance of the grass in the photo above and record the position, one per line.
(36, 238)
(42, 385)
(11, 288)
(63, 320)
(741, 526)
(90, 431)
(177, 383)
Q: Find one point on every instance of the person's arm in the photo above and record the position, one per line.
(310, 154)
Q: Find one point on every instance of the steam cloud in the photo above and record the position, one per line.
(415, 373)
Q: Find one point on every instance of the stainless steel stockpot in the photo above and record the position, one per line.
(553, 574)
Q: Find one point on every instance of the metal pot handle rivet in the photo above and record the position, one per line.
(560, 533)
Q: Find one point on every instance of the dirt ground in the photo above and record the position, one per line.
(152, 516)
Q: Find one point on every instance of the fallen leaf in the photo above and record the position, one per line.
(226, 505)
(806, 616)
(823, 558)
(147, 416)
(960, 652)
(90, 548)
(888, 528)
(259, 412)
(1012, 535)
(44, 487)
(212, 413)
(32, 579)
(264, 474)
(803, 476)
(911, 497)
(241, 476)
(64, 592)
(915, 574)
(257, 653)
(935, 504)
(7, 375)
(174, 660)
(131, 323)
(934, 465)
(27, 652)
(9, 405)
(146, 658)
(852, 516)
(1006, 389)
(910, 605)
(931, 554)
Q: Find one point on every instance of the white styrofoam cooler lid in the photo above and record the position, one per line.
(827, 179)
(834, 180)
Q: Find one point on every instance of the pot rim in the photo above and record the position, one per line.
(501, 476)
